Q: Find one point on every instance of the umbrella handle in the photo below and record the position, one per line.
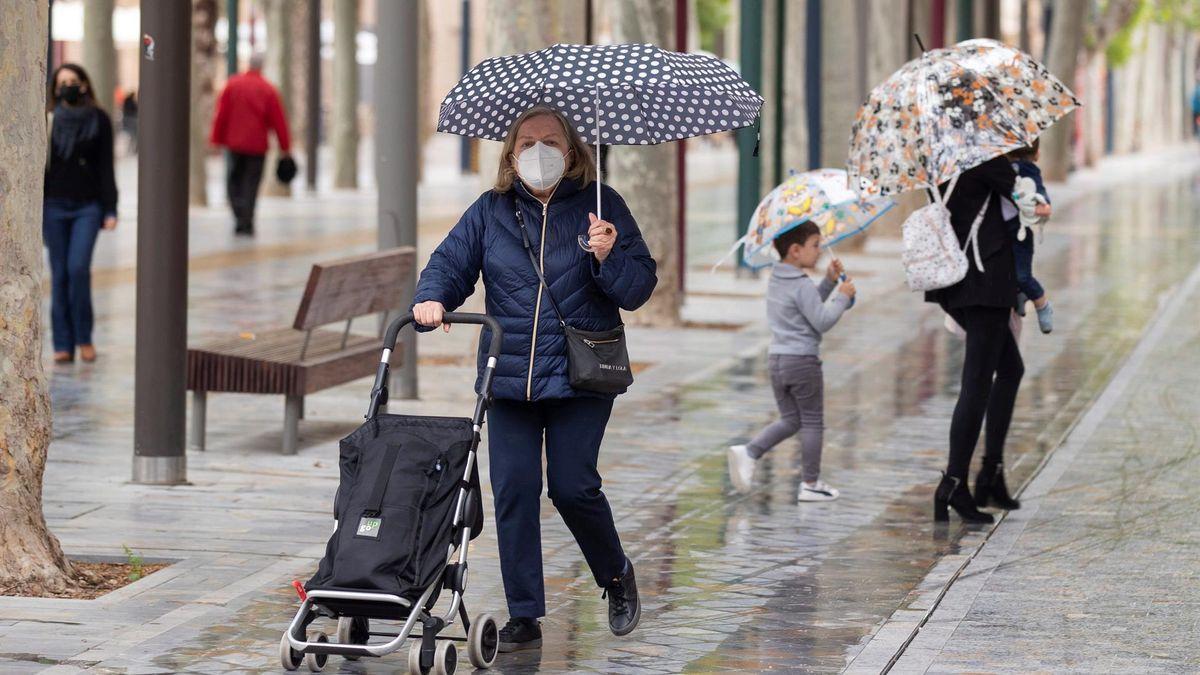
(596, 93)
(841, 276)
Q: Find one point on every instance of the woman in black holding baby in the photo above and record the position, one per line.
(992, 367)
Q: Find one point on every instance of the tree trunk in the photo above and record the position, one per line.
(513, 28)
(1066, 39)
(30, 557)
(646, 176)
(278, 71)
(99, 54)
(345, 94)
(795, 117)
(204, 69)
(840, 81)
(298, 18)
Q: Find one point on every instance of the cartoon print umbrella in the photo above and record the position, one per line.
(821, 196)
(950, 110)
(626, 94)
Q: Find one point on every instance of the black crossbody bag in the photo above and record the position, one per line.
(596, 360)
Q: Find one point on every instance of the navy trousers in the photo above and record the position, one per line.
(571, 430)
(69, 230)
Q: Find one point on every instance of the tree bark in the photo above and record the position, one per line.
(204, 69)
(513, 28)
(278, 71)
(1066, 40)
(31, 559)
(99, 54)
(646, 176)
(345, 94)
(795, 117)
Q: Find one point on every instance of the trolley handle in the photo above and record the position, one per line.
(393, 331)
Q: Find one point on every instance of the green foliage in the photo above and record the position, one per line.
(135, 563)
(712, 15)
(1184, 13)
(1120, 48)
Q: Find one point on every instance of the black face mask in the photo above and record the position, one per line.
(70, 94)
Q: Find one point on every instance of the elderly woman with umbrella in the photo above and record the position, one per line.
(943, 122)
(558, 267)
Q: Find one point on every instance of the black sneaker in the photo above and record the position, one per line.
(520, 634)
(624, 609)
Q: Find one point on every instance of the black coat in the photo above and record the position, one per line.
(996, 285)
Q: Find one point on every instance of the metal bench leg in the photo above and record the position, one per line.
(292, 407)
(199, 421)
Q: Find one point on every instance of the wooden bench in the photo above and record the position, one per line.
(304, 359)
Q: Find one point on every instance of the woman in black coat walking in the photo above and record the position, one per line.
(80, 200)
(992, 367)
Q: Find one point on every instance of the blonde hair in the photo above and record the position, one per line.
(581, 166)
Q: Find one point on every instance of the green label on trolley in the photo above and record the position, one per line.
(369, 527)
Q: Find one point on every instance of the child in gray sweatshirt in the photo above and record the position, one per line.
(798, 313)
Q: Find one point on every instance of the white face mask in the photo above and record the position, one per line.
(541, 166)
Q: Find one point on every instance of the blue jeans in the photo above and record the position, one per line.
(1023, 255)
(69, 230)
(572, 429)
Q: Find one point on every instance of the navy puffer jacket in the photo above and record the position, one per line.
(488, 240)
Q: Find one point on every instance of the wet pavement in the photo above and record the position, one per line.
(729, 583)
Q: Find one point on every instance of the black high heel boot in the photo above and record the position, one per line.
(990, 487)
(952, 492)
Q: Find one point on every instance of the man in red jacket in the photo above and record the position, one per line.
(247, 109)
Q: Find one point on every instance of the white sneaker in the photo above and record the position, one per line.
(741, 467)
(816, 492)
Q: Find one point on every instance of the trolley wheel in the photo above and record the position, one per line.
(289, 658)
(445, 658)
(316, 662)
(483, 641)
(414, 658)
(353, 631)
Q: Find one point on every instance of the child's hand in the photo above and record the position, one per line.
(835, 271)
(1042, 211)
(847, 288)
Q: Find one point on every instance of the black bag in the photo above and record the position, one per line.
(285, 169)
(596, 360)
(400, 478)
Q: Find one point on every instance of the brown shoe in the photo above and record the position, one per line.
(87, 353)
(63, 357)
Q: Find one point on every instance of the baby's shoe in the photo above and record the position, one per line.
(1046, 318)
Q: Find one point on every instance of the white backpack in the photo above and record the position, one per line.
(932, 258)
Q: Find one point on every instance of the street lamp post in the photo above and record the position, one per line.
(164, 88)
(395, 155)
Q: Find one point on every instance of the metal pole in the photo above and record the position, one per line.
(966, 19)
(777, 170)
(231, 58)
(312, 139)
(681, 45)
(464, 152)
(164, 91)
(231, 42)
(749, 167)
(50, 42)
(937, 27)
(812, 80)
(398, 28)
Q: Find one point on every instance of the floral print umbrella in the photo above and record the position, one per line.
(951, 110)
(822, 196)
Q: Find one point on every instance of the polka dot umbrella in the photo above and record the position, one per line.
(627, 94)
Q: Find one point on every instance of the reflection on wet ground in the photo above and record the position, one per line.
(757, 582)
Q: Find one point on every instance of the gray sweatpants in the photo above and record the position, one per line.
(799, 388)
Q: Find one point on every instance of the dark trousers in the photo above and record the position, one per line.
(245, 175)
(572, 430)
(1023, 256)
(69, 230)
(992, 371)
